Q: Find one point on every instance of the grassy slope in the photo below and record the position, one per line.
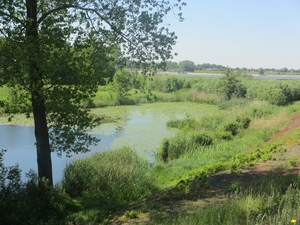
(269, 199)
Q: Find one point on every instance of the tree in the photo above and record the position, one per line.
(48, 50)
(122, 83)
(171, 65)
(187, 66)
(261, 71)
(231, 86)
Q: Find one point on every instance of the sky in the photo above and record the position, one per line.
(239, 33)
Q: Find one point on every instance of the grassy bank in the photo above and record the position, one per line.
(213, 138)
(195, 164)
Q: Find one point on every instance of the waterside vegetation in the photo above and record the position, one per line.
(234, 132)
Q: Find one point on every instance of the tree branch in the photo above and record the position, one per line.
(68, 6)
(11, 17)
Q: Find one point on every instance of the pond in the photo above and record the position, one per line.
(139, 127)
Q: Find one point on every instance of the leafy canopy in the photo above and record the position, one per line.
(57, 50)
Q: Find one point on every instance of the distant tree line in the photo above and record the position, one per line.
(190, 66)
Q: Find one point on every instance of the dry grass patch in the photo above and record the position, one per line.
(276, 121)
(258, 103)
(200, 96)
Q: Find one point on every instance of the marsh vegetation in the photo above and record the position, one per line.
(227, 126)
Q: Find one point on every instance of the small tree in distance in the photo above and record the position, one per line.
(261, 71)
(187, 66)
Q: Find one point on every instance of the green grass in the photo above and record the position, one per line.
(120, 176)
(110, 181)
(268, 200)
(185, 157)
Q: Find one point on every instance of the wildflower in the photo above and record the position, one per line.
(293, 221)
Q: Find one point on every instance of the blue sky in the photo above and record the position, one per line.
(239, 33)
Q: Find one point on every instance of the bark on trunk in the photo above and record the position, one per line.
(37, 98)
(42, 138)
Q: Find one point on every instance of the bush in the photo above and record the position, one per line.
(244, 122)
(121, 176)
(231, 86)
(164, 151)
(232, 127)
(180, 144)
(32, 202)
(202, 139)
(224, 135)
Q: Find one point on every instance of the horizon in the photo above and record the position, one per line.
(270, 68)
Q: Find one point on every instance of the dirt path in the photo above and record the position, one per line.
(170, 201)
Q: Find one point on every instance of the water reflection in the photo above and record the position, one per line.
(19, 143)
(143, 131)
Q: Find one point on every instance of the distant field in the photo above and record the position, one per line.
(248, 73)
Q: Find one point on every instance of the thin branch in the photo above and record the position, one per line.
(12, 17)
(55, 83)
(68, 6)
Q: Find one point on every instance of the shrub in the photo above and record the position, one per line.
(164, 151)
(178, 145)
(122, 83)
(181, 144)
(244, 121)
(202, 139)
(224, 135)
(120, 175)
(276, 97)
(32, 202)
(232, 127)
(231, 86)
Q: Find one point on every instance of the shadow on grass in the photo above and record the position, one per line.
(224, 188)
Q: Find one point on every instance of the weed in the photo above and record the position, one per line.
(293, 162)
(235, 187)
(132, 214)
(280, 168)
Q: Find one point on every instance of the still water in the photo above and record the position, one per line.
(19, 143)
(143, 131)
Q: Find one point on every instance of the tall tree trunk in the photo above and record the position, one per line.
(37, 98)
(42, 138)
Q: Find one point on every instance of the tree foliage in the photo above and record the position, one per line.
(261, 71)
(187, 66)
(54, 52)
(122, 83)
(231, 85)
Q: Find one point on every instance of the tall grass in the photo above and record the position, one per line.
(268, 200)
(120, 176)
(199, 96)
(231, 131)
